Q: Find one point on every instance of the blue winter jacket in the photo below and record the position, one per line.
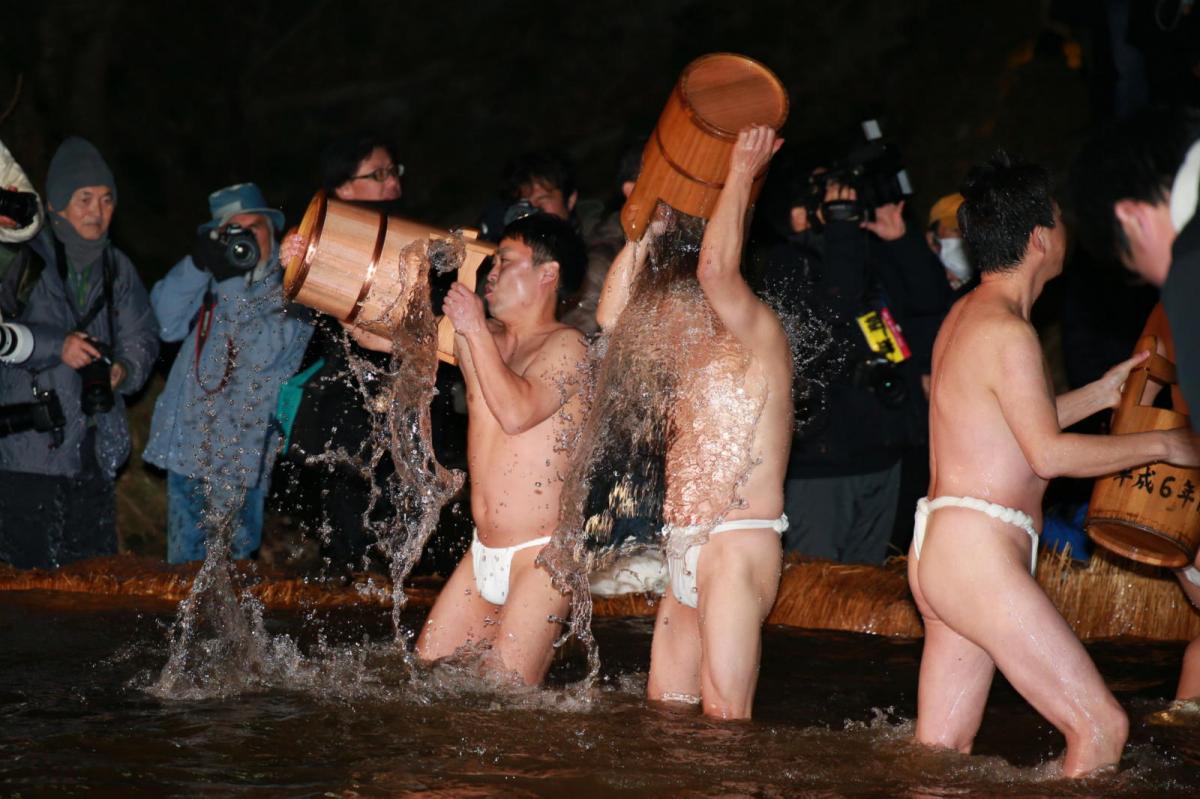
(50, 313)
(215, 416)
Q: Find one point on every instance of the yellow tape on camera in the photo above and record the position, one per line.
(884, 336)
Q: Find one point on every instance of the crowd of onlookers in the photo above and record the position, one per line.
(85, 333)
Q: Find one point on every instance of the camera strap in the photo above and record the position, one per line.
(102, 302)
(203, 326)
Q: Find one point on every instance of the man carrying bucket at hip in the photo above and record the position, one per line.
(1137, 185)
(996, 438)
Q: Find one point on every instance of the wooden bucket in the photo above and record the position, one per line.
(685, 161)
(358, 266)
(1151, 513)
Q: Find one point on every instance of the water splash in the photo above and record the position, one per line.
(218, 643)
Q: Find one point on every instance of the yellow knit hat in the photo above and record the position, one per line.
(945, 210)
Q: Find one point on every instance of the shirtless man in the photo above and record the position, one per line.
(707, 637)
(521, 368)
(996, 438)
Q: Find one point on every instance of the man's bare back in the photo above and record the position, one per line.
(973, 451)
(731, 424)
(996, 438)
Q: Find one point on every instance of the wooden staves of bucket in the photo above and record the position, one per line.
(361, 266)
(687, 157)
(1151, 513)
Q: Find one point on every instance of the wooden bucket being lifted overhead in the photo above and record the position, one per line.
(686, 159)
(1151, 513)
(361, 266)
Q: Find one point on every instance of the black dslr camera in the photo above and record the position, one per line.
(44, 414)
(19, 206)
(875, 172)
(239, 247)
(883, 379)
(227, 252)
(96, 394)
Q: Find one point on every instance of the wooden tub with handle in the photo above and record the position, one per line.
(1150, 513)
(687, 157)
(362, 266)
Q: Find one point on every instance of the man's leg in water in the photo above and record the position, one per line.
(1189, 675)
(738, 576)
(973, 575)
(674, 652)
(524, 641)
(954, 680)
(459, 616)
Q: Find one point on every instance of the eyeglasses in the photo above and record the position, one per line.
(383, 173)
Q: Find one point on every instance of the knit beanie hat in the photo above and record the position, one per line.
(76, 164)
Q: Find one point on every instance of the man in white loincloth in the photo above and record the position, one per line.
(996, 438)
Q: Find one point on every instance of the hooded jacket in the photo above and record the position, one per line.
(11, 174)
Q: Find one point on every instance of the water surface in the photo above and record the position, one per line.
(832, 719)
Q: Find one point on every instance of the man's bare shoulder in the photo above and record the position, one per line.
(991, 323)
(564, 346)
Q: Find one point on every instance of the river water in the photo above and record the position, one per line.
(832, 719)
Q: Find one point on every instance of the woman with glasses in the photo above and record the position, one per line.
(362, 169)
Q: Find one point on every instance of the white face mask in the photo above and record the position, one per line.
(954, 258)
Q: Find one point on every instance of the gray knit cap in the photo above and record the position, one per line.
(76, 164)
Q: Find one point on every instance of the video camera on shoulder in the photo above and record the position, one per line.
(19, 206)
(873, 169)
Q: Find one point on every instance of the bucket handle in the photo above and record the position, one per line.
(1156, 368)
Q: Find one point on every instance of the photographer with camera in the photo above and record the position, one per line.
(93, 341)
(852, 257)
(213, 429)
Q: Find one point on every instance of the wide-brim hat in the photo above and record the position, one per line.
(241, 198)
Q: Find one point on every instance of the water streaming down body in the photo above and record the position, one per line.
(675, 401)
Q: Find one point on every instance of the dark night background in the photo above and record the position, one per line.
(185, 98)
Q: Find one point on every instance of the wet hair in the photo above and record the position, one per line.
(340, 159)
(1131, 159)
(549, 166)
(553, 239)
(675, 255)
(1004, 200)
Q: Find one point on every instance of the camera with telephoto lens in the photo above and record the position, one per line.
(19, 206)
(883, 379)
(96, 394)
(44, 414)
(875, 172)
(16, 343)
(240, 247)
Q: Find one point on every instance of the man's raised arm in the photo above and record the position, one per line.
(720, 272)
